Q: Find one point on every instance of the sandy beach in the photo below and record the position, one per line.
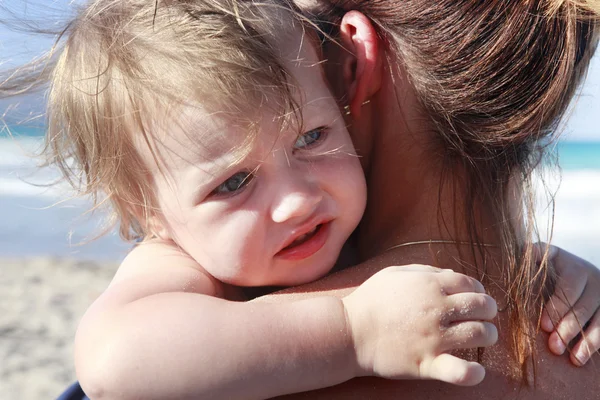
(41, 302)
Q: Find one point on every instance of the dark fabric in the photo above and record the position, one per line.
(74, 392)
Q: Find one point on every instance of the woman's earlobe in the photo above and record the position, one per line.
(362, 69)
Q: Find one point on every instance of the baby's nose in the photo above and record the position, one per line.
(296, 204)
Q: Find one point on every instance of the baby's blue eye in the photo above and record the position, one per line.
(235, 183)
(310, 138)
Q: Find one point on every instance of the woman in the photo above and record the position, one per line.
(450, 104)
(436, 110)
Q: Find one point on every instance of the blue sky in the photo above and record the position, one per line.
(584, 124)
(17, 47)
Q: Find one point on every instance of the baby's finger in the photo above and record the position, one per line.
(588, 344)
(470, 306)
(451, 369)
(469, 335)
(572, 279)
(417, 268)
(453, 283)
(572, 323)
(560, 303)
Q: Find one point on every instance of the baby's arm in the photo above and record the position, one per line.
(159, 331)
(575, 304)
(406, 320)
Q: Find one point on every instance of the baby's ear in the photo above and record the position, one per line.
(362, 67)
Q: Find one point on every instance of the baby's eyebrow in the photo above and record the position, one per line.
(210, 177)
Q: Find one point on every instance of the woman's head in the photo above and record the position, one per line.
(491, 81)
(489, 75)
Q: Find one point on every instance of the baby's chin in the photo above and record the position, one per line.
(305, 275)
(252, 292)
(298, 278)
(297, 281)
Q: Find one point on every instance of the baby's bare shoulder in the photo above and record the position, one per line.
(153, 255)
(155, 267)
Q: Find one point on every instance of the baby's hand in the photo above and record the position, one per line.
(405, 320)
(574, 305)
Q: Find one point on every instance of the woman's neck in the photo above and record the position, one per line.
(412, 197)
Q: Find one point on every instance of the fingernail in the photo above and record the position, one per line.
(581, 356)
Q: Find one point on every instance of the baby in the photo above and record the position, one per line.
(210, 128)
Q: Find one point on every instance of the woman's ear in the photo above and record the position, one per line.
(362, 68)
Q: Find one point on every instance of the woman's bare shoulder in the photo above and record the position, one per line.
(556, 379)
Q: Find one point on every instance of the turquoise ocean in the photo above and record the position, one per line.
(42, 220)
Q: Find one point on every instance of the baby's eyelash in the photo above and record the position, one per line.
(235, 184)
(311, 138)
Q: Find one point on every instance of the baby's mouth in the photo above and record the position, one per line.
(303, 238)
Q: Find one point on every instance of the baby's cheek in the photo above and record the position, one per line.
(342, 165)
(348, 187)
(224, 266)
(352, 178)
(240, 253)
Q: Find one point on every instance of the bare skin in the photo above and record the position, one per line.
(167, 310)
(403, 178)
(556, 377)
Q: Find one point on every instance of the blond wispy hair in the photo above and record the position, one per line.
(119, 64)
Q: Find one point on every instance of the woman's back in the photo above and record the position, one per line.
(555, 377)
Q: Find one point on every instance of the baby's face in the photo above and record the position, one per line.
(282, 214)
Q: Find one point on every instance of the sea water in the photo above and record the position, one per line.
(41, 220)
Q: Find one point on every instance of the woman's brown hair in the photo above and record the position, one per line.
(494, 78)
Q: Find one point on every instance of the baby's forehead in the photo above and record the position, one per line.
(225, 130)
(299, 46)
(195, 136)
